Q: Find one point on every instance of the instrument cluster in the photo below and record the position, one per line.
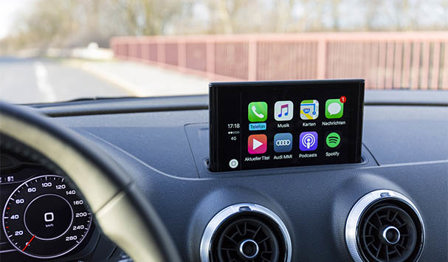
(43, 216)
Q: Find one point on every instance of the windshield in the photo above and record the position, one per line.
(58, 50)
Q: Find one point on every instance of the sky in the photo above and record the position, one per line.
(429, 13)
(8, 9)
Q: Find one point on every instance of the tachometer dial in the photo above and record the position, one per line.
(45, 218)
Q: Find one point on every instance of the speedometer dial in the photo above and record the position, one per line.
(45, 218)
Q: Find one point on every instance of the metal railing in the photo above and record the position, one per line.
(385, 60)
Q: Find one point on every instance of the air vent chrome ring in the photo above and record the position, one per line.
(220, 218)
(250, 245)
(390, 234)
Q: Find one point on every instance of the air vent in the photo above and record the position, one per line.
(246, 233)
(384, 226)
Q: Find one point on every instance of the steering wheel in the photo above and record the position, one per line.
(120, 209)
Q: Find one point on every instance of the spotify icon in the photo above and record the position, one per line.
(333, 140)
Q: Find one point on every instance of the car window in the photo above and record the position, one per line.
(58, 50)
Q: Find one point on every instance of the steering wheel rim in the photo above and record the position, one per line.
(119, 208)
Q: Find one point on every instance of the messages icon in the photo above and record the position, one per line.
(334, 108)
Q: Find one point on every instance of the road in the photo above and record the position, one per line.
(45, 80)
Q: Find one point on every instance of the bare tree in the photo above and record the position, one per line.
(335, 14)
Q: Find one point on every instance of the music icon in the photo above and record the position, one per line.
(283, 110)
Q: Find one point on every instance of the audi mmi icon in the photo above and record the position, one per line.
(283, 142)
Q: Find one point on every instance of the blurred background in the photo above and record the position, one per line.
(52, 50)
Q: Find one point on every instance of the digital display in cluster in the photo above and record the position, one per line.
(285, 123)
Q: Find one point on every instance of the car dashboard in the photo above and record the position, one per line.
(307, 213)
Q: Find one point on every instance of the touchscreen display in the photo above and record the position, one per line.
(285, 123)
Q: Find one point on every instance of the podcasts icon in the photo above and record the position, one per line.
(308, 141)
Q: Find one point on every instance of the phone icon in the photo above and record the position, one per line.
(258, 111)
(254, 110)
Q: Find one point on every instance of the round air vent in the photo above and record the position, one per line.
(245, 232)
(384, 226)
